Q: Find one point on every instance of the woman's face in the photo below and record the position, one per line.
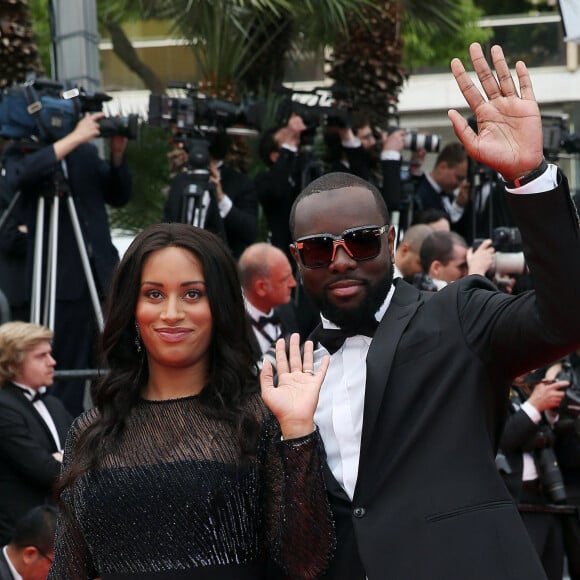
(173, 311)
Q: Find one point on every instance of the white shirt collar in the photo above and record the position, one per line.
(13, 570)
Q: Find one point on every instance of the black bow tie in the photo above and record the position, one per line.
(449, 196)
(263, 320)
(333, 338)
(38, 396)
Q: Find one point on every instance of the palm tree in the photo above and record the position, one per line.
(370, 58)
(18, 50)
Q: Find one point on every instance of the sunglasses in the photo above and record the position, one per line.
(360, 243)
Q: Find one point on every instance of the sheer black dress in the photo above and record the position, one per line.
(174, 500)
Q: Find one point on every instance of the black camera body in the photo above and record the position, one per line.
(195, 114)
(42, 110)
(509, 256)
(570, 404)
(318, 107)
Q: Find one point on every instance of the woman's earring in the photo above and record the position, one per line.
(138, 341)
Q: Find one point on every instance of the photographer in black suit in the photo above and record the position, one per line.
(229, 206)
(71, 166)
(528, 465)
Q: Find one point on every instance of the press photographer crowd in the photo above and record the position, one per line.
(448, 273)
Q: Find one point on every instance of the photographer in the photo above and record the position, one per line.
(278, 186)
(230, 206)
(567, 448)
(71, 166)
(446, 258)
(529, 468)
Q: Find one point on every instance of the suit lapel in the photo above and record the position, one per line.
(30, 408)
(404, 304)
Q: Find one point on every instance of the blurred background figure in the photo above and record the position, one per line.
(33, 424)
(71, 169)
(29, 554)
(267, 283)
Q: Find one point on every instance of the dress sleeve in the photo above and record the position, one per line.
(72, 558)
(298, 519)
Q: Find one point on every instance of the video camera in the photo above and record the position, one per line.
(196, 114)
(557, 138)
(44, 110)
(509, 256)
(322, 106)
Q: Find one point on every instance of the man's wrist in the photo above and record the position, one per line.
(528, 177)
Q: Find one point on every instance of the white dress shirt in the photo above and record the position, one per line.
(339, 414)
(271, 331)
(13, 571)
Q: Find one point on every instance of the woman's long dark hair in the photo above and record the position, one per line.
(232, 371)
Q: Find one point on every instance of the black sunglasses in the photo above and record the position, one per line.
(360, 243)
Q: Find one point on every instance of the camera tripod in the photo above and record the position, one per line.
(45, 265)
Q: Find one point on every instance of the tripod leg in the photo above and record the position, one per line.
(51, 263)
(36, 297)
(86, 263)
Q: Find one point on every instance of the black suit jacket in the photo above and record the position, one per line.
(27, 468)
(5, 573)
(429, 502)
(93, 183)
(240, 225)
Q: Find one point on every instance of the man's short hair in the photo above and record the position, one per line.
(255, 263)
(340, 180)
(36, 528)
(453, 154)
(430, 215)
(16, 339)
(439, 246)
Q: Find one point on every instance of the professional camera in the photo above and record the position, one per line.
(196, 114)
(415, 140)
(43, 110)
(557, 138)
(321, 106)
(550, 474)
(509, 256)
(570, 404)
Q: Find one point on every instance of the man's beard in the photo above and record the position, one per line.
(353, 318)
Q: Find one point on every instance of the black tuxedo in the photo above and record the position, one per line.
(5, 573)
(429, 502)
(27, 468)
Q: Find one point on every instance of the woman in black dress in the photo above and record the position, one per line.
(181, 470)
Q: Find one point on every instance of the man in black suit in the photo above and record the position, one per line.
(71, 167)
(436, 190)
(527, 444)
(30, 552)
(230, 208)
(411, 418)
(33, 425)
(278, 186)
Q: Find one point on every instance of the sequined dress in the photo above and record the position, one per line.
(174, 501)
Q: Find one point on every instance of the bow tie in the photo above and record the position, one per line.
(333, 338)
(449, 196)
(264, 320)
(38, 396)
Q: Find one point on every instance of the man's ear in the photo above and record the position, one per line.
(435, 269)
(29, 554)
